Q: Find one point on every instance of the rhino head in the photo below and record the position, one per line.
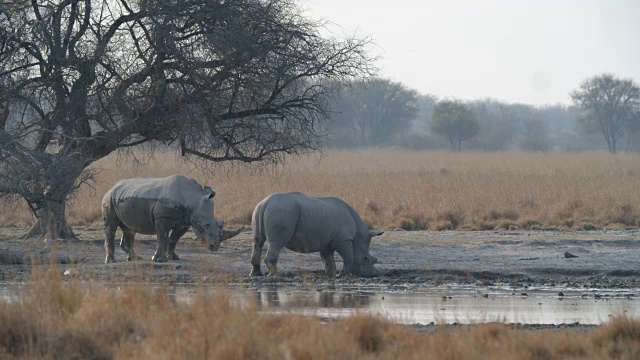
(363, 262)
(204, 223)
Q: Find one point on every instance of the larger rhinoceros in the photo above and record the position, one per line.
(312, 224)
(160, 206)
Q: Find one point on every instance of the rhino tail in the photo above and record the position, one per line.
(257, 225)
(111, 223)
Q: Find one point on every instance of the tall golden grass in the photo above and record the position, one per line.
(412, 190)
(56, 319)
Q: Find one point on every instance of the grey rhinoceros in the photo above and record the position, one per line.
(160, 206)
(308, 224)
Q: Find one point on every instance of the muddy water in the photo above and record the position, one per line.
(441, 305)
(423, 305)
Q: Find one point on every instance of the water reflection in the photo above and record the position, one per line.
(458, 304)
(271, 296)
(443, 304)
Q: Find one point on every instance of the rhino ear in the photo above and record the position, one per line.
(375, 233)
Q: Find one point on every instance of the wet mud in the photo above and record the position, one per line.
(601, 259)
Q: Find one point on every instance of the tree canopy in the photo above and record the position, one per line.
(453, 120)
(610, 105)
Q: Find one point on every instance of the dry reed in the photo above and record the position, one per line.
(412, 190)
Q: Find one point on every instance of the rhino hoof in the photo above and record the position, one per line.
(134, 258)
(109, 259)
(174, 256)
(255, 273)
(158, 258)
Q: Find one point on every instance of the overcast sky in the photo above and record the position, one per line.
(514, 50)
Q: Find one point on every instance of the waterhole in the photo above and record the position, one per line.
(441, 305)
(444, 304)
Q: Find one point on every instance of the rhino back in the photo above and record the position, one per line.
(142, 201)
(315, 222)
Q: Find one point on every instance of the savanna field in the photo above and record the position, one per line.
(62, 317)
(411, 190)
(524, 246)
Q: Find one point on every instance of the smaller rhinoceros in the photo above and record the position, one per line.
(160, 206)
(308, 224)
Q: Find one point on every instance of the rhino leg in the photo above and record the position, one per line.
(271, 258)
(256, 254)
(126, 243)
(162, 232)
(110, 228)
(329, 262)
(279, 234)
(345, 249)
(175, 236)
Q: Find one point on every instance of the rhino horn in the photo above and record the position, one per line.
(226, 234)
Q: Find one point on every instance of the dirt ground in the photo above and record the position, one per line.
(605, 259)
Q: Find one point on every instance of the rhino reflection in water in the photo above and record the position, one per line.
(166, 207)
(273, 298)
(309, 224)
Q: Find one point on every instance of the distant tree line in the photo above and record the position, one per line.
(605, 114)
(370, 112)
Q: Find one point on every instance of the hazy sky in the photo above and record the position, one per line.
(514, 50)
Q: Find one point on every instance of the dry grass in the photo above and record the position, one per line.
(415, 190)
(70, 320)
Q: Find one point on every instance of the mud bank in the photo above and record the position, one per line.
(602, 259)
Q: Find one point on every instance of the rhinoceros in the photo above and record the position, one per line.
(308, 224)
(160, 206)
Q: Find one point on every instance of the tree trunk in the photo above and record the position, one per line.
(458, 145)
(452, 142)
(613, 145)
(51, 225)
(609, 144)
(363, 136)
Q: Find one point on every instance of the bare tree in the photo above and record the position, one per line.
(453, 120)
(225, 80)
(609, 104)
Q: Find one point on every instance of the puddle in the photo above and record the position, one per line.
(441, 305)
(446, 304)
